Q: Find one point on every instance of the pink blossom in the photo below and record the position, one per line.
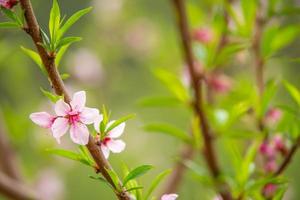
(108, 142)
(273, 116)
(269, 190)
(169, 197)
(203, 35)
(279, 144)
(8, 4)
(74, 116)
(219, 83)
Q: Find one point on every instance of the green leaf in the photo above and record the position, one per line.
(119, 121)
(85, 154)
(12, 15)
(74, 18)
(172, 82)
(67, 41)
(8, 25)
(134, 188)
(137, 172)
(154, 184)
(293, 91)
(52, 97)
(270, 91)
(54, 21)
(60, 54)
(169, 130)
(64, 76)
(35, 57)
(114, 177)
(159, 102)
(69, 154)
(102, 180)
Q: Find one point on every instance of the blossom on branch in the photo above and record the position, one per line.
(108, 141)
(74, 116)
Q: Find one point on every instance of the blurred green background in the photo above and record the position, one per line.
(123, 40)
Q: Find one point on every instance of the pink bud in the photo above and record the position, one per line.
(267, 150)
(273, 116)
(269, 190)
(271, 166)
(203, 35)
(220, 83)
(8, 4)
(279, 144)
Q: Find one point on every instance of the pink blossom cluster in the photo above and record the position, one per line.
(75, 117)
(8, 4)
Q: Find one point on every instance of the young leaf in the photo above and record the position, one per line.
(120, 121)
(114, 177)
(293, 91)
(169, 130)
(60, 54)
(270, 91)
(54, 21)
(12, 15)
(134, 188)
(154, 184)
(69, 154)
(74, 18)
(85, 154)
(67, 41)
(8, 25)
(172, 83)
(52, 97)
(35, 57)
(137, 172)
(102, 180)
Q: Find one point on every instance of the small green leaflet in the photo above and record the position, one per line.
(120, 121)
(156, 182)
(114, 177)
(293, 91)
(8, 25)
(52, 97)
(35, 57)
(137, 172)
(70, 155)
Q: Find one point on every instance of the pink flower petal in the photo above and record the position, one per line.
(105, 151)
(78, 101)
(97, 122)
(116, 146)
(59, 128)
(117, 131)
(88, 115)
(42, 119)
(79, 133)
(62, 108)
(169, 197)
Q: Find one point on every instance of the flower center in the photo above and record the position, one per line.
(106, 140)
(73, 118)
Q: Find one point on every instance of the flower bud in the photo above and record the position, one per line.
(273, 116)
(203, 35)
(271, 166)
(219, 83)
(269, 190)
(8, 4)
(267, 150)
(279, 144)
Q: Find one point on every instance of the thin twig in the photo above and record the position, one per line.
(187, 153)
(49, 62)
(196, 82)
(287, 160)
(15, 190)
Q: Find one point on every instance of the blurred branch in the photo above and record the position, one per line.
(48, 60)
(287, 160)
(196, 82)
(14, 189)
(187, 153)
(8, 160)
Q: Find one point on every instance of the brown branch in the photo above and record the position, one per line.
(287, 160)
(175, 178)
(15, 190)
(48, 60)
(8, 160)
(196, 82)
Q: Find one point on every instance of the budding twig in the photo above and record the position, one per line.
(198, 106)
(33, 30)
